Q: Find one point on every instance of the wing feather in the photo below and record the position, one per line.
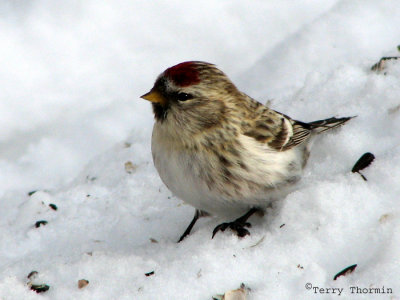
(276, 130)
(279, 131)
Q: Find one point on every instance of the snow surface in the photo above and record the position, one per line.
(71, 118)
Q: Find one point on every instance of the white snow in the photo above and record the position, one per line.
(70, 117)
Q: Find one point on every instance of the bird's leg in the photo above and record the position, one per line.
(197, 215)
(238, 225)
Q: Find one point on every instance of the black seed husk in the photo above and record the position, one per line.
(149, 274)
(53, 206)
(40, 223)
(31, 193)
(40, 288)
(345, 271)
(31, 274)
(365, 160)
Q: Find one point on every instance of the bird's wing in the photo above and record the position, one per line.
(301, 131)
(278, 131)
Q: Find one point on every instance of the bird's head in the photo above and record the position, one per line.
(191, 94)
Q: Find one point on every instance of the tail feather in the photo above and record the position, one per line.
(323, 125)
(302, 131)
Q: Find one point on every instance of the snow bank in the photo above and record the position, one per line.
(71, 121)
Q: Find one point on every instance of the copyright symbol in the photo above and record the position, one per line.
(308, 286)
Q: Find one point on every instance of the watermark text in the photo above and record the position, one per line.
(350, 290)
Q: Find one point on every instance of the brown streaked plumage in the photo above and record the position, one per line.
(220, 150)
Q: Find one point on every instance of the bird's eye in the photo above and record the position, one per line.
(184, 96)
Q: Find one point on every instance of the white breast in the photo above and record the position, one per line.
(270, 173)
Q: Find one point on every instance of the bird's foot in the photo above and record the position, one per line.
(236, 226)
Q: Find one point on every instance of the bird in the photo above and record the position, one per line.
(221, 151)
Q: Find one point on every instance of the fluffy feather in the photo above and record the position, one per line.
(220, 150)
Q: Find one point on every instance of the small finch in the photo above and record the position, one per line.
(220, 150)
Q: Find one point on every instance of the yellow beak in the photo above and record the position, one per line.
(154, 96)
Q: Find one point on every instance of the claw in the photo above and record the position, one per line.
(242, 232)
(238, 225)
(220, 227)
(247, 224)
